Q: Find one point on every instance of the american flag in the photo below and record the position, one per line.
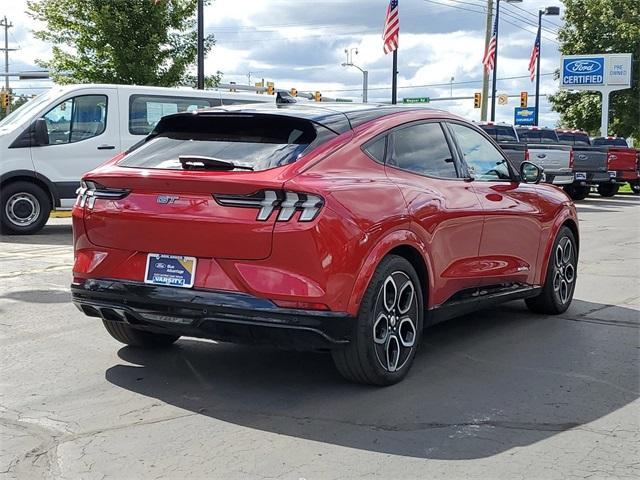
(489, 59)
(391, 28)
(534, 56)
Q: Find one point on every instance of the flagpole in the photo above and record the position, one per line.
(536, 113)
(495, 67)
(394, 78)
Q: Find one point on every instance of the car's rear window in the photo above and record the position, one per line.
(537, 136)
(614, 142)
(500, 133)
(257, 141)
(578, 139)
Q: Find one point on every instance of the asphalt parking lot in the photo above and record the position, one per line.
(499, 394)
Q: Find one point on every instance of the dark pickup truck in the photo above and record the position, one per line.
(590, 166)
(507, 138)
(622, 161)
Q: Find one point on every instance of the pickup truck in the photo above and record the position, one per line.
(507, 138)
(590, 166)
(546, 151)
(622, 161)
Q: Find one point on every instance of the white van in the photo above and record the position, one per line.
(48, 143)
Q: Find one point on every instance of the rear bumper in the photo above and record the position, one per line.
(559, 178)
(217, 315)
(592, 178)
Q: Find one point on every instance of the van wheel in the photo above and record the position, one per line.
(635, 188)
(608, 189)
(137, 338)
(25, 208)
(388, 329)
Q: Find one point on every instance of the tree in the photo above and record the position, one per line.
(16, 101)
(141, 42)
(601, 26)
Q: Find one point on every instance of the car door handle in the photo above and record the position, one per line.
(104, 146)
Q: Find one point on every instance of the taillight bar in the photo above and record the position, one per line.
(266, 201)
(90, 190)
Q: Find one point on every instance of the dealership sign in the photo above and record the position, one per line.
(584, 72)
(604, 73)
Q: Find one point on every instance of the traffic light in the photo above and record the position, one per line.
(477, 99)
(270, 88)
(4, 99)
(294, 92)
(524, 99)
(317, 97)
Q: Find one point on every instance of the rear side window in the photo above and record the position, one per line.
(422, 149)
(376, 148)
(616, 142)
(258, 142)
(145, 111)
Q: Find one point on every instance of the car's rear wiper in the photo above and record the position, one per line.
(209, 163)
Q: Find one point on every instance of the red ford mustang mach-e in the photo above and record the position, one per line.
(346, 228)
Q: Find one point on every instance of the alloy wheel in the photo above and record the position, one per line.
(395, 320)
(564, 272)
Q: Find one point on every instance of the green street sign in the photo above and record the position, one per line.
(416, 100)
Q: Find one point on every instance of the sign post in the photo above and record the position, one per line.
(603, 73)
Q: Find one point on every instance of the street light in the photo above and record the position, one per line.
(495, 61)
(546, 11)
(451, 86)
(365, 74)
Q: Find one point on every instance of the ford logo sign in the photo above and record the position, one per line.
(582, 156)
(166, 199)
(583, 66)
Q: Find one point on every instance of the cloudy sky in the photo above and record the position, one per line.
(301, 43)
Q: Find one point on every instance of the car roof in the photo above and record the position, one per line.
(339, 117)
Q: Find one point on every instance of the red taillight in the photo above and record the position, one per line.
(90, 190)
(267, 201)
(301, 305)
(571, 158)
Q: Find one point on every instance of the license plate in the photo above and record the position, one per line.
(581, 176)
(170, 270)
(612, 174)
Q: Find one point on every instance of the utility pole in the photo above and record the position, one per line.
(200, 45)
(5, 23)
(485, 73)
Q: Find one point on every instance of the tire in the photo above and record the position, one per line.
(562, 274)
(137, 338)
(385, 339)
(577, 192)
(25, 208)
(608, 189)
(635, 188)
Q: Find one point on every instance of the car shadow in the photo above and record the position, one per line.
(56, 234)
(39, 296)
(480, 385)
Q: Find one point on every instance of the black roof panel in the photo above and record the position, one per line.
(339, 117)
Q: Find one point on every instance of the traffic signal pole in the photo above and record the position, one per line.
(494, 86)
(5, 23)
(536, 114)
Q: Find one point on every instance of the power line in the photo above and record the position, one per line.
(447, 84)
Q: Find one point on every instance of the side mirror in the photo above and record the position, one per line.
(530, 172)
(40, 132)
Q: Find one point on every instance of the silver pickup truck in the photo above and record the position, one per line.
(505, 136)
(545, 150)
